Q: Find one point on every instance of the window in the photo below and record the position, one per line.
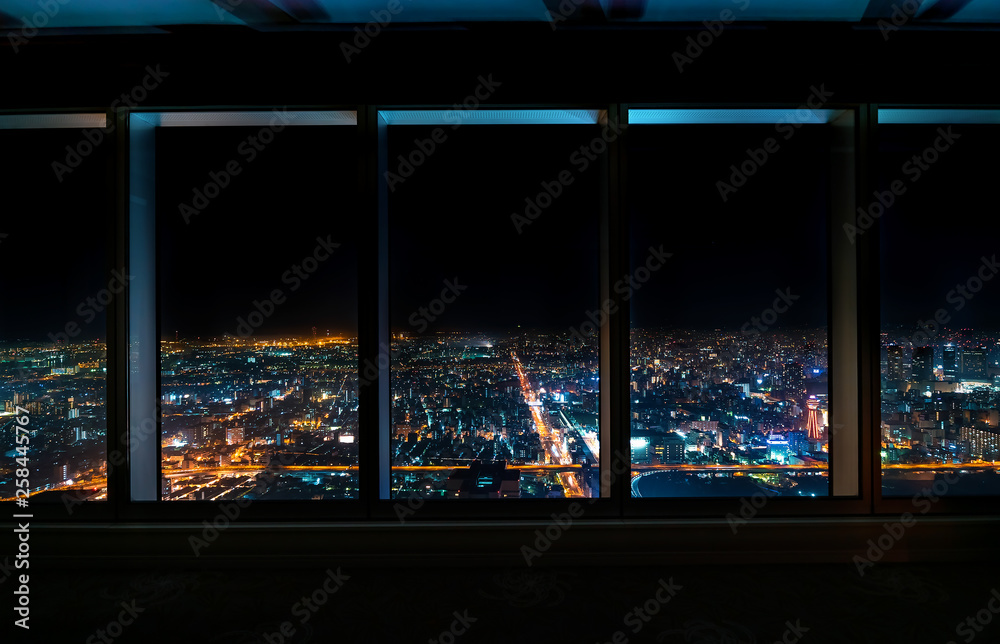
(732, 377)
(940, 412)
(494, 255)
(59, 285)
(256, 251)
(494, 258)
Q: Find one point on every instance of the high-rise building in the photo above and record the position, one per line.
(950, 361)
(641, 452)
(673, 448)
(894, 366)
(809, 354)
(982, 443)
(777, 447)
(974, 364)
(61, 472)
(794, 381)
(923, 364)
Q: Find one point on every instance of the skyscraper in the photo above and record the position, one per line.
(894, 367)
(974, 364)
(794, 381)
(950, 360)
(923, 364)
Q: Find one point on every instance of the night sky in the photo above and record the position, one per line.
(935, 233)
(299, 187)
(53, 255)
(729, 256)
(452, 218)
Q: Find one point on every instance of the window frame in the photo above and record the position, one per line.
(615, 346)
(137, 147)
(842, 323)
(381, 118)
(81, 119)
(964, 505)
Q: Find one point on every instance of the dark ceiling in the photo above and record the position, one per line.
(104, 16)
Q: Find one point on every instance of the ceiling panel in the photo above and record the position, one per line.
(699, 10)
(120, 13)
(362, 11)
(278, 14)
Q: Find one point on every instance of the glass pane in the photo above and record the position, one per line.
(493, 269)
(57, 291)
(258, 312)
(729, 359)
(940, 423)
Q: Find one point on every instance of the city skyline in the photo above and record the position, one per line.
(56, 388)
